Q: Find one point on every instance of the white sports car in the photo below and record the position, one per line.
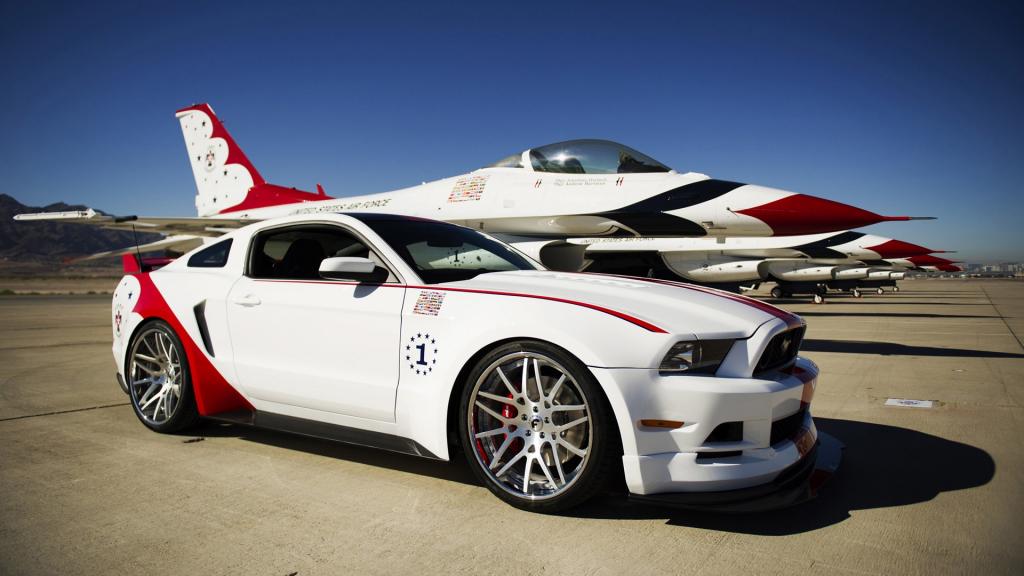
(423, 337)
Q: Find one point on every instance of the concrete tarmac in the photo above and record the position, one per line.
(86, 489)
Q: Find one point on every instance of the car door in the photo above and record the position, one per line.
(300, 340)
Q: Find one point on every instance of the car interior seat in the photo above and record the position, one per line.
(302, 260)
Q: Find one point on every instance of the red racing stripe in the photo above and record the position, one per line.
(621, 315)
(791, 320)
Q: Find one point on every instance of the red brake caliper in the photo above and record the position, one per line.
(506, 412)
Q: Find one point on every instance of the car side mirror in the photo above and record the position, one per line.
(348, 268)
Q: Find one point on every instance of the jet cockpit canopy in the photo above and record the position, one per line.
(584, 157)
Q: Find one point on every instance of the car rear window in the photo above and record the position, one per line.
(215, 256)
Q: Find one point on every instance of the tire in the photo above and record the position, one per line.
(880, 291)
(777, 292)
(158, 379)
(895, 288)
(523, 441)
(819, 299)
(856, 293)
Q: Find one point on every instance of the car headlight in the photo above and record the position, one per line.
(698, 356)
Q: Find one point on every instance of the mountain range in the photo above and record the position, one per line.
(54, 243)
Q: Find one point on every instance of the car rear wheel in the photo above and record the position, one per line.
(158, 378)
(536, 427)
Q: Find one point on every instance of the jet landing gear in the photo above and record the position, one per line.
(815, 291)
(857, 293)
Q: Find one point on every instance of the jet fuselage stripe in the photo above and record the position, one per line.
(648, 217)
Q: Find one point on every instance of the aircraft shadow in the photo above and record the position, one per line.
(894, 349)
(882, 466)
(890, 315)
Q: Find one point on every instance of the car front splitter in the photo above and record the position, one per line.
(795, 485)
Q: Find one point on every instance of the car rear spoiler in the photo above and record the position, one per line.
(136, 264)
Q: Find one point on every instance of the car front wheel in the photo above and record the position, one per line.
(536, 428)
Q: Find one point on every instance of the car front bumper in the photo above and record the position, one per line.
(794, 485)
(771, 442)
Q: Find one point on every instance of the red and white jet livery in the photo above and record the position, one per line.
(579, 188)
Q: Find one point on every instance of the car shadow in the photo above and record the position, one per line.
(455, 470)
(894, 349)
(876, 301)
(883, 466)
(891, 315)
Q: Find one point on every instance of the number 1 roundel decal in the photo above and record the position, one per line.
(421, 353)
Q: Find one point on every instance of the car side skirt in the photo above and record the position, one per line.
(326, 431)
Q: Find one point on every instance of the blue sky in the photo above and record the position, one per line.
(897, 107)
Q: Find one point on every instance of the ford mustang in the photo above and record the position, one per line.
(432, 339)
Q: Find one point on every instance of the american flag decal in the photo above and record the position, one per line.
(468, 189)
(428, 303)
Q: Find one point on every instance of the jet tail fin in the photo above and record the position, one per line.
(226, 181)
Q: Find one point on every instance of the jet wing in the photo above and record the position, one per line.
(178, 243)
(210, 227)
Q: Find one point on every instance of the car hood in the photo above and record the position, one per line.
(675, 307)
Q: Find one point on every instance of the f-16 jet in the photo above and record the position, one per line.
(811, 264)
(573, 189)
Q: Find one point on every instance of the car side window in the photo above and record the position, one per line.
(215, 256)
(295, 253)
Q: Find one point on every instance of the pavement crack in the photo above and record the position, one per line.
(64, 411)
(56, 345)
(1003, 318)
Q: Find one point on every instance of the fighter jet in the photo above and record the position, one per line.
(925, 262)
(573, 189)
(798, 264)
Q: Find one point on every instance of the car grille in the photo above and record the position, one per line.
(786, 428)
(781, 349)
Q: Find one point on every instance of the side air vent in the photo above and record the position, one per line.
(204, 330)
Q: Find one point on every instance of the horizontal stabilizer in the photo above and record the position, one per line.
(191, 226)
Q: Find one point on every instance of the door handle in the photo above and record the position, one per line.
(247, 300)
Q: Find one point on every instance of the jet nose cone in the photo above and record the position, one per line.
(899, 249)
(798, 214)
(802, 214)
(929, 260)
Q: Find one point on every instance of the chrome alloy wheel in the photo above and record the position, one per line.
(529, 424)
(155, 376)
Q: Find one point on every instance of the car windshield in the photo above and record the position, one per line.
(592, 157)
(441, 252)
